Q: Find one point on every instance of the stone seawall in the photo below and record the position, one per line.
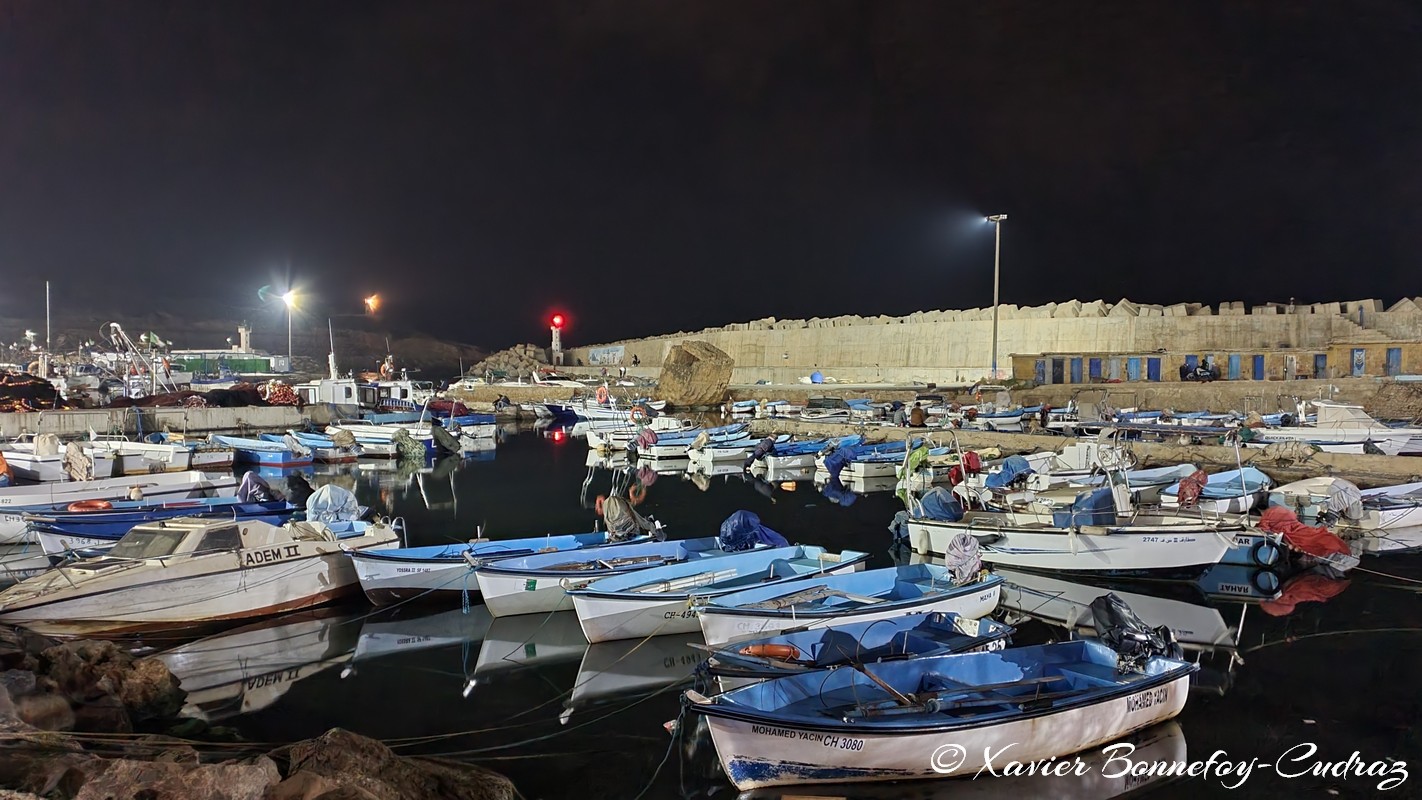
(954, 347)
(136, 421)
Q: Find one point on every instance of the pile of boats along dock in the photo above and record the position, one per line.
(816, 669)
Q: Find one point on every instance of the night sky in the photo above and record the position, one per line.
(657, 166)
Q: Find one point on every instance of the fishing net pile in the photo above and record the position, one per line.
(280, 394)
(239, 396)
(21, 391)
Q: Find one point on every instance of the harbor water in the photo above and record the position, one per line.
(1291, 692)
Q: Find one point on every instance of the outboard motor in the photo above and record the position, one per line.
(1118, 627)
(298, 489)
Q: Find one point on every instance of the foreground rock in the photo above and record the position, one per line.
(47, 689)
(361, 767)
(695, 373)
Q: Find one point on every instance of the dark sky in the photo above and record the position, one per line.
(655, 166)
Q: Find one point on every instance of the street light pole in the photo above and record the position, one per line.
(996, 220)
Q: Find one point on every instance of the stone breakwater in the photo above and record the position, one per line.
(87, 720)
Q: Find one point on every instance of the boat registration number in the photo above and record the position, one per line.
(255, 558)
(686, 613)
(1167, 539)
(1147, 699)
(823, 739)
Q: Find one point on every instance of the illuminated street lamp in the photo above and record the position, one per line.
(996, 220)
(290, 299)
(372, 304)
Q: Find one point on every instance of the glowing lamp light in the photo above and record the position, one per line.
(557, 321)
(372, 303)
(559, 436)
(290, 299)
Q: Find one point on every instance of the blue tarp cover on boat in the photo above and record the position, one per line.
(743, 531)
(1095, 508)
(817, 377)
(1013, 468)
(939, 504)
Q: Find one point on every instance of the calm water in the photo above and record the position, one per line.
(529, 697)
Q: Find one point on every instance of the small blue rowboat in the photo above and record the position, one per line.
(445, 570)
(937, 716)
(806, 650)
(265, 454)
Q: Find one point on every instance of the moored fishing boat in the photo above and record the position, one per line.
(658, 601)
(323, 448)
(196, 569)
(15, 501)
(141, 458)
(877, 594)
(443, 572)
(676, 445)
(938, 716)
(61, 534)
(539, 583)
(1231, 492)
(280, 455)
(43, 459)
(847, 643)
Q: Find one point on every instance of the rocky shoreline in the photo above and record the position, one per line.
(86, 720)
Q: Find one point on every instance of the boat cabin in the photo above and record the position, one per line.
(196, 535)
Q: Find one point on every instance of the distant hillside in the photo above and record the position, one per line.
(360, 342)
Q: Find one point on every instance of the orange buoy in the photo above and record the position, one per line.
(90, 505)
(639, 414)
(783, 652)
(602, 395)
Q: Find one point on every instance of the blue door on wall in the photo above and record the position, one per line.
(1360, 362)
(1152, 369)
(1076, 370)
(1394, 361)
(1058, 370)
(1040, 375)
(1320, 365)
(1234, 366)
(1191, 362)
(1133, 369)
(1259, 368)
(1093, 369)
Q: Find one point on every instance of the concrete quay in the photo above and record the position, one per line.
(142, 421)
(1366, 471)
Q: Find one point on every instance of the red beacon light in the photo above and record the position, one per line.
(558, 321)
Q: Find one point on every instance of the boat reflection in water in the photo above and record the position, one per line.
(248, 668)
(527, 640)
(630, 668)
(1096, 778)
(395, 633)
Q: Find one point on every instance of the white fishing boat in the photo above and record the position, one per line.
(141, 458)
(43, 459)
(15, 501)
(658, 601)
(538, 583)
(1088, 537)
(192, 569)
(938, 716)
(876, 594)
(729, 452)
(445, 571)
(1382, 519)
(203, 454)
(1232, 492)
(1345, 422)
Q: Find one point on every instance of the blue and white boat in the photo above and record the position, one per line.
(878, 594)
(442, 571)
(1230, 492)
(323, 448)
(676, 445)
(267, 454)
(658, 601)
(735, 451)
(537, 583)
(844, 644)
(937, 716)
(106, 493)
(86, 533)
(802, 454)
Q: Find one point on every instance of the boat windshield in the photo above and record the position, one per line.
(147, 543)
